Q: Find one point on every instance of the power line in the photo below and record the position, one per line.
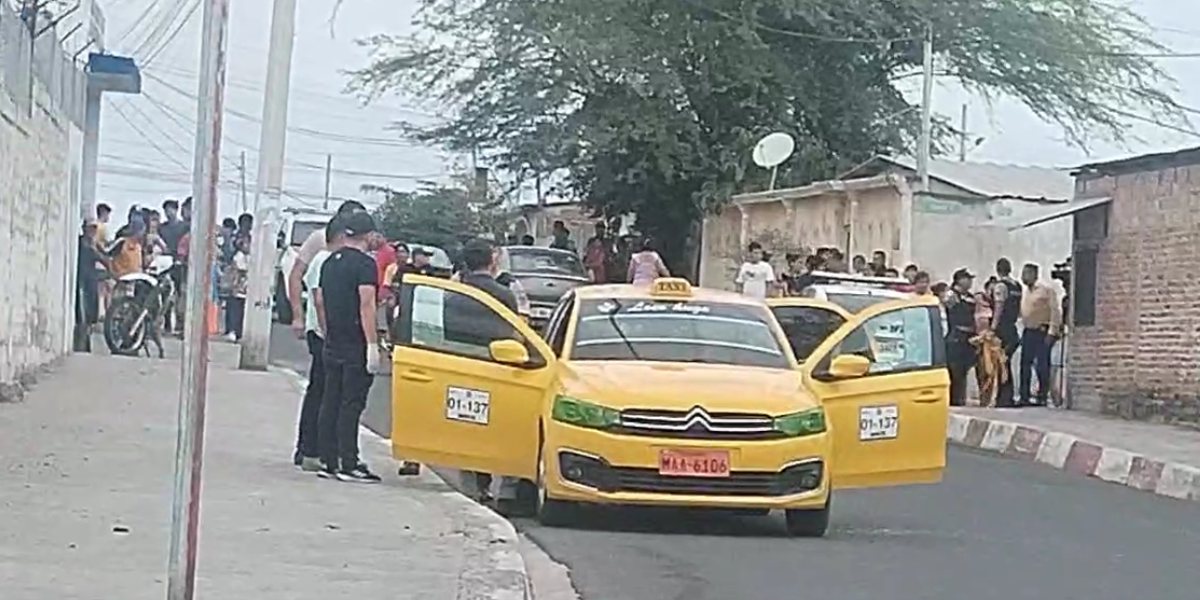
(155, 53)
(801, 34)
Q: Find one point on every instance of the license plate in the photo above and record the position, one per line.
(539, 313)
(694, 463)
(471, 406)
(878, 422)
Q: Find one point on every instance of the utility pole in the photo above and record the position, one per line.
(271, 150)
(925, 146)
(962, 136)
(193, 389)
(328, 179)
(242, 170)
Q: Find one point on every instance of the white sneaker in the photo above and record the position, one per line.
(231, 338)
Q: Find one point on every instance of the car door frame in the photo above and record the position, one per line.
(507, 444)
(922, 399)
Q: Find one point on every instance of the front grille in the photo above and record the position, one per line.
(739, 483)
(697, 423)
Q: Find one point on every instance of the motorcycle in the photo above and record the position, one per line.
(139, 302)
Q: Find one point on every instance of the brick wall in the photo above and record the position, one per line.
(1141, 359)
(38, 225)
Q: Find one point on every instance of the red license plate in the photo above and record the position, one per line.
(694, 463)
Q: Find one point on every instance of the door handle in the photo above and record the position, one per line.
(416, 376)
(928, 396)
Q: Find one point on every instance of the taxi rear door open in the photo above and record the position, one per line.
(889, 423)
(459, 398)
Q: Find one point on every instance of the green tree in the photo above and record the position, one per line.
(435, 215)
(653, 107)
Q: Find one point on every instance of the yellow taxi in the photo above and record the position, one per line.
(671, 395)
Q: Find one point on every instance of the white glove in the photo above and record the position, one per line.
(373, 359)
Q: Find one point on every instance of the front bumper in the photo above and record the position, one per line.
(586, 465)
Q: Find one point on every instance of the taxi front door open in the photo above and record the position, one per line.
(888, 425)
(453, 404)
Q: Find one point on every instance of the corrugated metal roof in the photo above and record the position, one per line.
(996, 180)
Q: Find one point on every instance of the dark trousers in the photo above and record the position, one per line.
(235, 315)
(1010, 340)
(310, 408)
(173, 319)
(960, 359)
(1035, 356)
(346, 386)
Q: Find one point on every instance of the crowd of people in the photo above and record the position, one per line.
(985, 326)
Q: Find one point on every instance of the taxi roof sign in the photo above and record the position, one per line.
(671, 286)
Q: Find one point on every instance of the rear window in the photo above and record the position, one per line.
(856, 302)
(716, 333)
(806, 327)
(543, 262)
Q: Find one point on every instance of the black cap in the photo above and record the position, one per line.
(963, 274)
(356, 223)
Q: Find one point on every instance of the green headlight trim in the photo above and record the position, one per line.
(583, 414)
(803, 423)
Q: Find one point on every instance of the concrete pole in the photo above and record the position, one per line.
(193, 389)
(328, 180)
(91, 151)
(272, 147)
(925, 146)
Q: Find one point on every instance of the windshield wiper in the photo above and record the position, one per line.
(612, 318)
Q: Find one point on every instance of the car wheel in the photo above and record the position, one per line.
(808, 522)
(549, 511)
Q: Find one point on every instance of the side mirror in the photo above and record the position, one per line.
(848, 366)
(281, 241)
(509, 352)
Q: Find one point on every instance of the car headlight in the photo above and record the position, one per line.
(583, 414)
(807, 422)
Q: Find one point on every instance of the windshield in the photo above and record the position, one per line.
(541, 261)
(302, 229)
(650, 330)
(438, 258)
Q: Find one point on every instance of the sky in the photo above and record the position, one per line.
(146, 140)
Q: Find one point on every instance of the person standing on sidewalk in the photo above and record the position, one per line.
(348, 284)
(1006, 295)
(960, 320)
(308, 452)
(1041, 315)
(313, 244)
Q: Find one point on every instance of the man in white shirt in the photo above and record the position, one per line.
(307, 454)
(756, 277)
(304, 257)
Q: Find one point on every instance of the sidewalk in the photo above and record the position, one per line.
(1163, 459)
(89, 455)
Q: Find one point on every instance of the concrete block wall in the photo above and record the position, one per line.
(38, 226)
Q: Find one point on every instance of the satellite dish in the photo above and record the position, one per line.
(771, 151)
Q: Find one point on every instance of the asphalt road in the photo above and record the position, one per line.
(995, 529)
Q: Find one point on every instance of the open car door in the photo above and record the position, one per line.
(882, 378)
(469, 379)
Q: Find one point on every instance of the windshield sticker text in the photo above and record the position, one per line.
(677, 307)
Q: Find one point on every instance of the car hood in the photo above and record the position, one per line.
(680, 386)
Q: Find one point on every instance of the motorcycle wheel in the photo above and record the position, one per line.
(121, 315)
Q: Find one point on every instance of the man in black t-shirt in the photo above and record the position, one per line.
(348, 285)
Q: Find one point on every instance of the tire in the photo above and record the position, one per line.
(550, 511)
(120, 309)
(809, 522)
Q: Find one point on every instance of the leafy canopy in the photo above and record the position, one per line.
(653, 107)
(432, 215)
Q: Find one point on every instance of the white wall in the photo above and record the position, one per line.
(951, 234)
(38, 223)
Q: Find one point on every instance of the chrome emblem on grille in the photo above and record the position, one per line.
(696, 417)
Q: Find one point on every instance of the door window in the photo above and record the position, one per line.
(446, 321)
(806, 327)
(894, 341)
(556, 328)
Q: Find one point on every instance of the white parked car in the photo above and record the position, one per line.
(297, 226)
